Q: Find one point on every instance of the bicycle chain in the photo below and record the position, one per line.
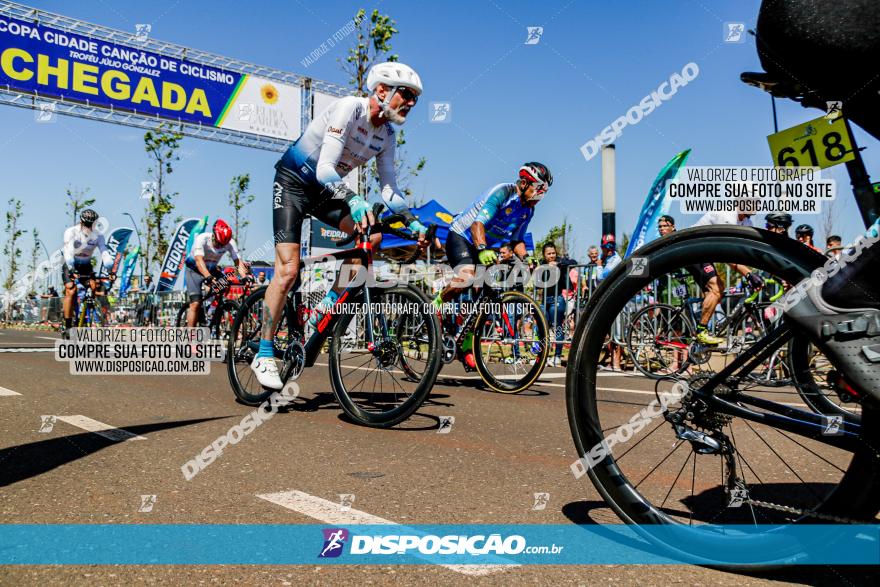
(800, 512)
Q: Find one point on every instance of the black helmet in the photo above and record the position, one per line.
(779, 219)
(88, 216)
(804, 230)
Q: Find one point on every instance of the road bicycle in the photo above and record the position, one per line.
(781, 462)
(661, 337)
(88, 313)
(216, 312)
(509, 335)
(384, 342)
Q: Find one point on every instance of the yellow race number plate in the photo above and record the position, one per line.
(817, 143)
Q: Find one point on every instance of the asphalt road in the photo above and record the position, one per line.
(502, 450)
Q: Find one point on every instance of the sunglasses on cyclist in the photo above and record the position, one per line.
(408, 95)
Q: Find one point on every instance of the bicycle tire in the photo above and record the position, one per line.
(224, 315)
(348, 398)
(635, 354)
(243, 344)
(508, 385)
(802, 369)
(180, 320)
(855, 496)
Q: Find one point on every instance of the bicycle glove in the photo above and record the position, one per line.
(755, 280)
(359, 208)
(487, 256)
(416, 226)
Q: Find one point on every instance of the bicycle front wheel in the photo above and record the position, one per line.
(510, 358)
(384, 361)
(663, 464)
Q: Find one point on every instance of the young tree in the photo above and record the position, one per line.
(35, 254)
(161, 146)
(11, 250)
(829, 219)
(77, 201)
(372, 45)
(238, 199)
(561, 237)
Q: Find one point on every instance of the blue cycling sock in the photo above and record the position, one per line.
(266, 348)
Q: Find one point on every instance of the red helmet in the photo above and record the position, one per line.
(222, 232)
(608, 241)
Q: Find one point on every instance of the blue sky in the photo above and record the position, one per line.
(511, 102)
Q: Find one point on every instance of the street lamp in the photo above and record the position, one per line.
(140, 246)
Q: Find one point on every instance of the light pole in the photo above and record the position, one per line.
(140, 246)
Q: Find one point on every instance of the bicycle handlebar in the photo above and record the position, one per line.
(386, 226)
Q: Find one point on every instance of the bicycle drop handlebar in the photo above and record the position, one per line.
(386, 226)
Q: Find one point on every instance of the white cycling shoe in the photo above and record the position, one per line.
(267, 372)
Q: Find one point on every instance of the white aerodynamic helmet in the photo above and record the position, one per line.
(394, 74)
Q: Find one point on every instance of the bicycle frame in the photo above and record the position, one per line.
(364, 252)
(780, 416)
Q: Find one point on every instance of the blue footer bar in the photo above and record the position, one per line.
(174, 544)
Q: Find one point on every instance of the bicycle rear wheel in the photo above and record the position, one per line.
(659, 476)
(508, 359)
(367, 352)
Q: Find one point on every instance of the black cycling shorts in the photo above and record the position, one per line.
(293, 200)
(459, 251)
(702, 273)
(85, 270)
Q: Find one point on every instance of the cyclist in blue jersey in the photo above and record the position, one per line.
(500, 215)
(309, 181)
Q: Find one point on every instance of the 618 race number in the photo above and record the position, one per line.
(817, 143)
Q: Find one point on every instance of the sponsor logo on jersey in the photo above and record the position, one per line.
(375, 147)
(362, 130)
(334, 131)
(276, 196)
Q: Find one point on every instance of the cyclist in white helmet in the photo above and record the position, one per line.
(309, 181)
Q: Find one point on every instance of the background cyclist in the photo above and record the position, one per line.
(501, 215)
(711, 283)
(80, 242)
(309, 181)
(804, 233)
(201, 265)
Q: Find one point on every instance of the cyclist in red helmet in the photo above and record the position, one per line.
(201, 265)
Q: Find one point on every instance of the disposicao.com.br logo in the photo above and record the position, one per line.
(430, 544)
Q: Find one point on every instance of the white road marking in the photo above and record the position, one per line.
(19, 350)
(49, 337)
(101, 429)
(330, 513)
(4, 391)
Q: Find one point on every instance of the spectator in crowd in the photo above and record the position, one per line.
(592, 271)
(554, 300)
(610, 258)
(832, 246)
(261, 279)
